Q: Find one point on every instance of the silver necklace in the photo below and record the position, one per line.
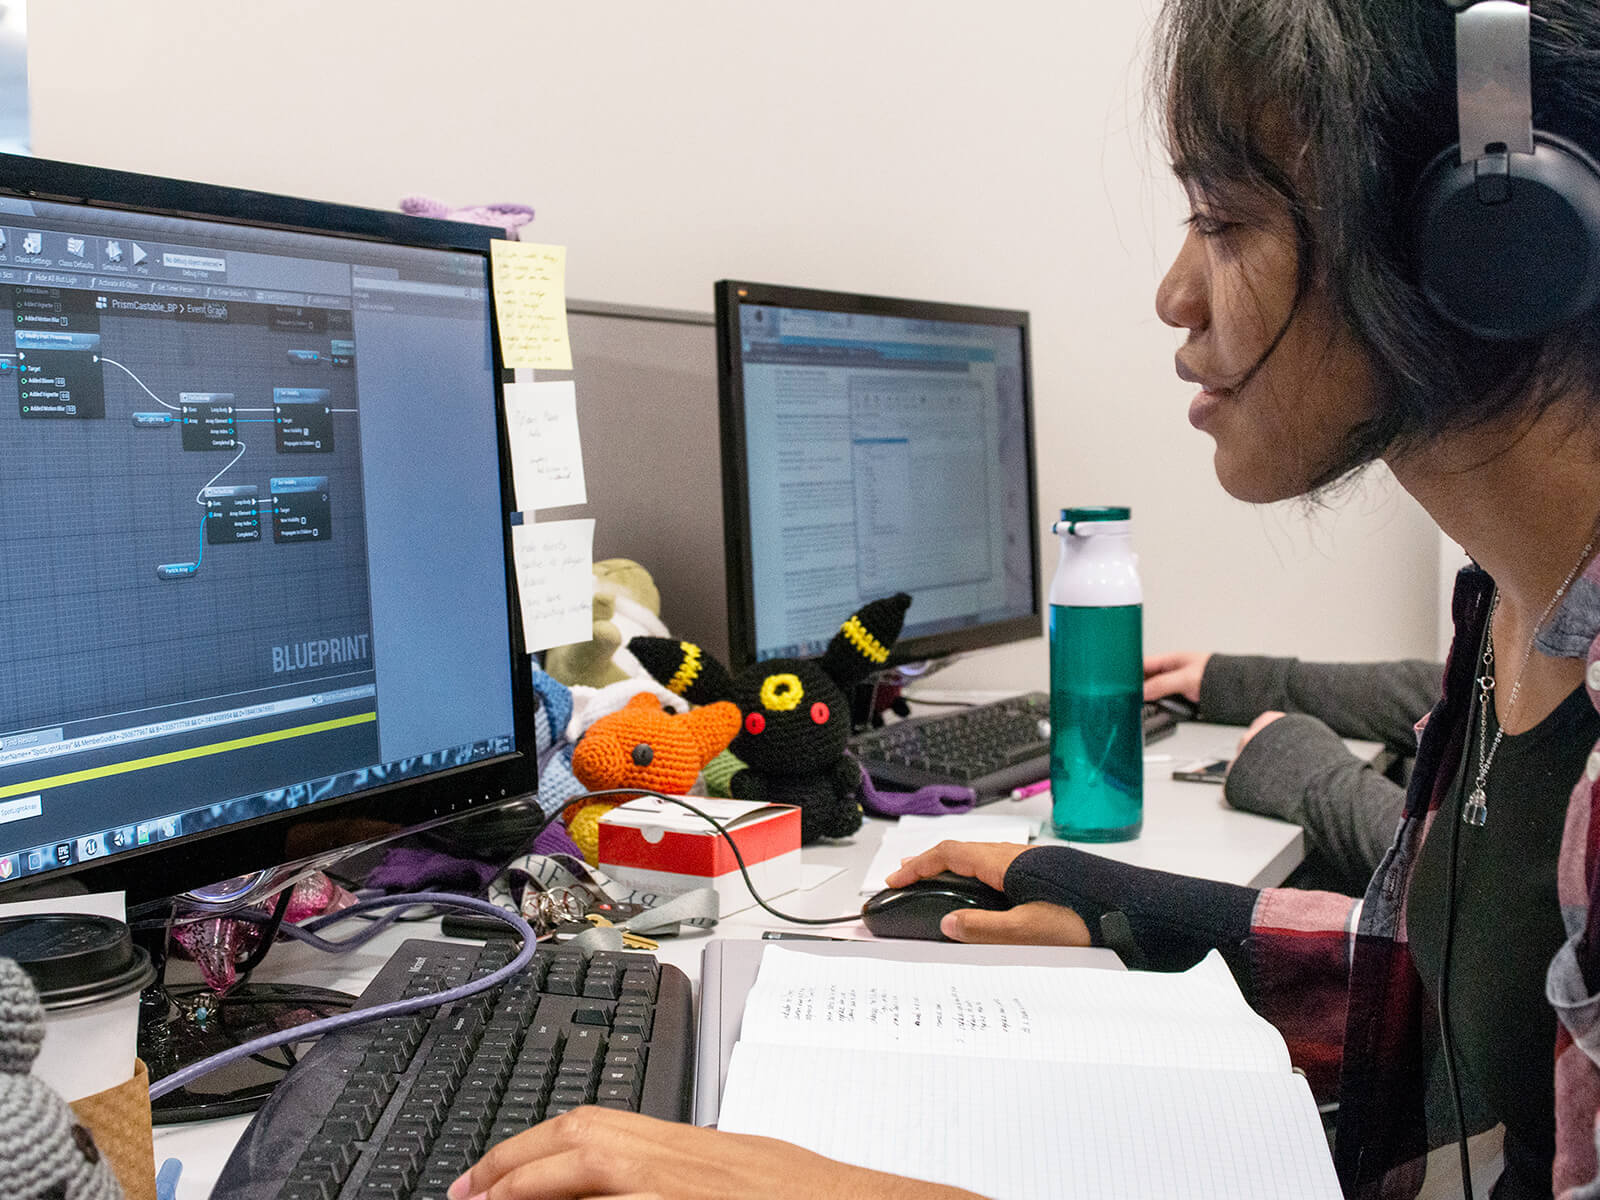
(1476, 809)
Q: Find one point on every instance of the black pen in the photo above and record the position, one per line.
(778, 935)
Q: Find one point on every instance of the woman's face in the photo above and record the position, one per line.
(1279, 423)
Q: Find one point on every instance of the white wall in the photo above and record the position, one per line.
(991, 153)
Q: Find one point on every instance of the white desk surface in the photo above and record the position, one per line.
(1187, 827)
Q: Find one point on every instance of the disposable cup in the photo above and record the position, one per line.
(89, 975)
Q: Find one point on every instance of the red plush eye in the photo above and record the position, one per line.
(819, 713)
(755, 722)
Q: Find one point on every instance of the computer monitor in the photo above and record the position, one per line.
(872, 446)
(255, 603)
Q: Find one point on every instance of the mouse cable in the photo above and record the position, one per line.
(634, 792)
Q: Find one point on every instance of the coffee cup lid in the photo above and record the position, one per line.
(75, 958)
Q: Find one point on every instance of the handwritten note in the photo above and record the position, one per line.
(555, 579)
(546, 455)
(1196, 1018)
(530, 303)
(1097, 1083)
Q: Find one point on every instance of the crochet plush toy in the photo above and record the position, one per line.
(626, 605)
(643, 746)
(795, 715)
(45, 1154)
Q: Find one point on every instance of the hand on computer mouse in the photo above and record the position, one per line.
(1037, 923)
(988, 861)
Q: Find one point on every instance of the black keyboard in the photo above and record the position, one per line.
(990, 748)
(402, 1106)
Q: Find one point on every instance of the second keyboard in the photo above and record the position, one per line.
(990, 748)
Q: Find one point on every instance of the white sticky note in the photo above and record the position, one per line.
(555, 580)
(546, 453)
(530, 304)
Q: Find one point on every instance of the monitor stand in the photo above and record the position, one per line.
(881, 693)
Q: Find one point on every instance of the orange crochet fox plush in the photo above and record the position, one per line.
(643, 746)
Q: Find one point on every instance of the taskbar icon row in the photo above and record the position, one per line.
(88, 847)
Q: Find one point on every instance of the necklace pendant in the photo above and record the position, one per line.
(1476, 809)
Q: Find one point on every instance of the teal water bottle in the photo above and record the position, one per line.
(1096, 680)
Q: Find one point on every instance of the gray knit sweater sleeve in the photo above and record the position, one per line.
(1298, 769)
(1375, 702)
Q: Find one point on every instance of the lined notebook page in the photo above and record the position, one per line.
(1016, 1129)
(1196, 1018)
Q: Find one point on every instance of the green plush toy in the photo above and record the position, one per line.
(626, 605)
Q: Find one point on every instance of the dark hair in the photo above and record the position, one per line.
(1335, 107)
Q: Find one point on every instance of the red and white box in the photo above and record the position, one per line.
(656, 846)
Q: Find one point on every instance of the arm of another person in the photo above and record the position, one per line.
(1373, 702)
(1295, 767)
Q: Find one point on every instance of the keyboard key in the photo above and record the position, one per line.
(593, 1013)
(505, 1128)
(562, 983)
(569, 1096)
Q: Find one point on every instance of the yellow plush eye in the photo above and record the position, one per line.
(780, 693)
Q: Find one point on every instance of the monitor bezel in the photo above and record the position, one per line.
(314, 833)
(729, 296)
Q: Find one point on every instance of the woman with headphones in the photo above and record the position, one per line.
(1393, 253)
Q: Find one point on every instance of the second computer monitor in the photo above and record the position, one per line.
(871, 446)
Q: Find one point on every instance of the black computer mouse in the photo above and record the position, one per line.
(914, 911)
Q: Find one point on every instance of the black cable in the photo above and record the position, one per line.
(1453, 815)
(269, 934)
(732, 845)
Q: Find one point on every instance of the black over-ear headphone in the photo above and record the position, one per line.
(1505, 224)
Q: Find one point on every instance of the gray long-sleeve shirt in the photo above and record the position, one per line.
(1298, 769)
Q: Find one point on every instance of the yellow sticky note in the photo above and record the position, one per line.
(530, 303)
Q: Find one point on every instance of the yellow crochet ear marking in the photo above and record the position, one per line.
(858, 636)
(780, 693)
(687, 669)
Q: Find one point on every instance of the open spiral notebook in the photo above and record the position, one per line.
(1027, 1081)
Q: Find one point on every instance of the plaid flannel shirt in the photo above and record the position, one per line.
(1368, 1031)
(1334, 974)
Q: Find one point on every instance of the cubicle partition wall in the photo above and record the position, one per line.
(647, 411)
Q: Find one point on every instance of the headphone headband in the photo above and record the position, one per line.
(1505, 224)
(1494, 82)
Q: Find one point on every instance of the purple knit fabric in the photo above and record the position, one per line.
(933, 800)
(554, 839)
(412, 869)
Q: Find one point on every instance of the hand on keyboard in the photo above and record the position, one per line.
(596, 1152)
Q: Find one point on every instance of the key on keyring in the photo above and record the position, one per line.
(630, 940)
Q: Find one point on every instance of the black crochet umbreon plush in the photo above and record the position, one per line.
(796, 714)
